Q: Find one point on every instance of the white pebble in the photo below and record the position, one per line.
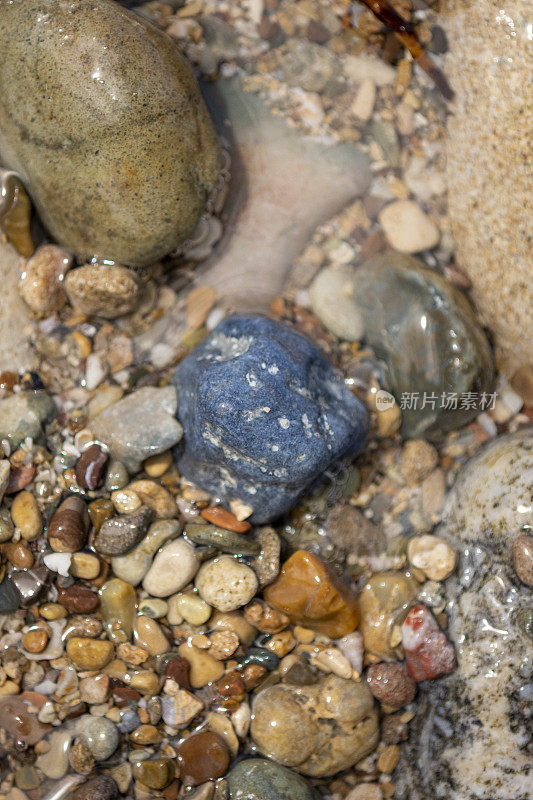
(352, 647)
(173, 568)
(225, 583)
(363, 105)
(58, 562)
(433, 555)
(407, 228)
(94, 371)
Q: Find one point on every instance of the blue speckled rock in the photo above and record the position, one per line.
(264, 415)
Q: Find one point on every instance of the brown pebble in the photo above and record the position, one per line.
(18, 555)
(122, 695)
(202, 757)
(102, 787)
(252, 675)
(19, 478)
(316, 32)
(225, 519)
(178, 669)
(35, 640)
(390, 684)
(78, 599)
(231, 685)
(80, 758)
(265, 618)
(393, 729)
(90, 467)
(269, 30)
(69, 527)
(99, 511)
(146, 734)
(8, 379)
(523, 558)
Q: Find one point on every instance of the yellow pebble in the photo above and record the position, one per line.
(52, 611)
(389, 758)
(89, 653)
(157, 465)
(26, 516)
(83, 343)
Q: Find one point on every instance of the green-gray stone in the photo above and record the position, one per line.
(426, 332)
(258, 779)
(23, 415)
(226, 541)
(103, 119)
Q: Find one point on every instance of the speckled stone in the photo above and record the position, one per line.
(100, 735)
(23, 414)
(320, 729)
(258, 779)
(264, 415)
(489, 141)
(101, 787)
(121, 164)
(485, 756)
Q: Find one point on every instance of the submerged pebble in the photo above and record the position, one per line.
(174, 567)
(259, 779)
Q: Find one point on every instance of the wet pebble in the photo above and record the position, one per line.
(428, 653)
(190, 607)
(332, 300)
(433, 555)
(69, 527)
(119, 535)
(101, 787)
(108, 291)
(204, 668)
(407, 228)
(156, 773)
(26, 516)
(17, 720)
(133, 566)
(259, 779)
(100, 735)
(23, 415)
(523, 558)
(90, 467)
(117, 476)
(118, 600)
(225, 583)
(202, 757)
(148, 634)
(224, 540)
(85, 565)
(390, 684)
(78, 599)
(384, 602)
(174, 567)
(140, 425)
(417, 461)
(217, 515)
(180, 709)
(266, 564)
(89, 653)
(55, 762)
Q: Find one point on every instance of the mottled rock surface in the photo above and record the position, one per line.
(23, 415)
(15, 351)
(121, 163)
(470, 737)
(258, 779)
(263, 414)
(489, 147)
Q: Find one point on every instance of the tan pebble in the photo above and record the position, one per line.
(26, 516)
(223, 644)
(105, 396)
(418, 459)
(303, 635)
(523, 558)
(35, 640)
(365, 791)
(51, 611)
(190, 607)
(148, 634)
(221, 725)
(281, 643)
(83, 343)
(180, 707)
(157, 465)
(156, 497)
(41, 282)
(407, 228)
(363, 105)
(132, 654)
(332, 660)
(125, 501)
(265, 618)
(204, 668)
(236, 622)
(522, 383)
(389, 420)
(433, 555)
(146, 734)
(145, 681)
(18, 555)
(154, 607)
(433, 493)
(389, 758)
(89, 653)
(84, 565)
(199, 303)
(225, 583)
(9, 688)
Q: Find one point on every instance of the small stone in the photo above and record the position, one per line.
(51, 611)
(58, 562)
(108, 291)
(54, 763)
(146, 735)
(157, 465)
(433, 555)
(223, 644)
(225, 583)
(5, 468)
(154, 608)
(352, 647)
(394, 729)
(234, 621)
(23, 414)
(318, 730)
(19, 722)
(85, 565)
(118, 599)
(174, 567)
(99, 735)
(148, 634)
(331, 660)
(78, 599)
(266, 564)
(99, 511)
(140, 425)
(265, 618)
(117, 476)
(225, 519)
(133, 566)
(388, 758)
(89, 653)
(156, 773)
(332, 300)
(180, 709)
(406, 227)
(418, 460)
(178, 668)
(90, 467)
(307, 65)
(26, 516)
(204, 668)
(94, 690)
(311, 595)
(155, 497)
(390, 684)
(357, 68)
(35, 640)
(102, 787)
(202, 757)
(81, 759)
(428, 653)
(384, 602)
(69, 527)
(27, 777)
(523, 558)
(41, 281)
(190, 607)
(119, 535)
(224, 540)
(365, 791)
(259, 779)
(229, 387)
(363, 105)
(18, 554)
(522, 383)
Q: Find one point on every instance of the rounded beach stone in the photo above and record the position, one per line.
(129, 182)
(100, 735)
(101, 787)
(259, 779)
(225, 583)
(174, 567)
(407, 228)
(202, 757)
(264, 415)
(318, 729)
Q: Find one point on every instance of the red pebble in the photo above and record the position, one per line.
(428, 653)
